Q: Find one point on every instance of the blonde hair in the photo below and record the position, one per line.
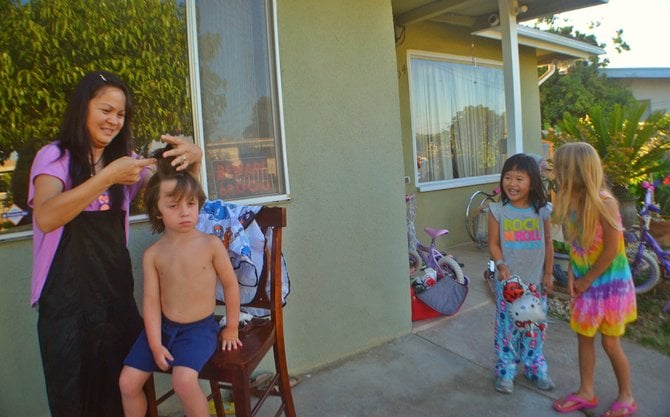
(581, 182)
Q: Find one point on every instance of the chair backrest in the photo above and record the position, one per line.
(271, 220)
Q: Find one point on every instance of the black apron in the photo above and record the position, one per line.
(88, 318)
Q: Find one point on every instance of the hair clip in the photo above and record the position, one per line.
(102, 77)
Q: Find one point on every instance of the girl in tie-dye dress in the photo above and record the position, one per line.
(599, 278)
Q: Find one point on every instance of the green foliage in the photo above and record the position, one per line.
(551, 23)
(632, 150)
(583, 87)
(561, 247)
(47, 45)
(579, 91)
(662, 199)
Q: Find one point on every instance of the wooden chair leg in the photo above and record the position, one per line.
(216, 397)
(284, 383)
(150, 392)
(242, 396)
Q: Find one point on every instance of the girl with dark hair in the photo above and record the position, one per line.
(81, 187)
(520, 244)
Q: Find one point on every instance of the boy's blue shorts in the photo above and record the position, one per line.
(191, 345)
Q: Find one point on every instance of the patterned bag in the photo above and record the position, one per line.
(236, 227)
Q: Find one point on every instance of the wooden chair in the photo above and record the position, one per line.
(258, 336)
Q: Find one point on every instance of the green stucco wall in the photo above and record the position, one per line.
(346, 239)
(345, 244)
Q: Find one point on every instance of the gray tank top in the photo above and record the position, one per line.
(522, 239)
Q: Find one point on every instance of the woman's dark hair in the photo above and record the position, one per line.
(73, 135)
(187, 187)
(529, 165)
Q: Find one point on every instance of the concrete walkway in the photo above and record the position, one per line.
(445, 368)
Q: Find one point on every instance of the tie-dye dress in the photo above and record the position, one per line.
(609, 303)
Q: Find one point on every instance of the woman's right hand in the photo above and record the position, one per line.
(126, 170)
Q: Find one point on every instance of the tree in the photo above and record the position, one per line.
(584, 86)
(47, 45)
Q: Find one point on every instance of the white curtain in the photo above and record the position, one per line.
(458, 113)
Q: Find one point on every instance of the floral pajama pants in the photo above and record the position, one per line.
(514, 345)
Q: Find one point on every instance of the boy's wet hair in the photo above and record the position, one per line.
(187, 187)
(528, 164)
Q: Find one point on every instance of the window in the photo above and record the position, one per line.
(210, 72)
(238, 92)
(458, 120)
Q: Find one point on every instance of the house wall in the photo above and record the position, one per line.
(446, 208)
(346, 236)
(654, 90)
(345, 243)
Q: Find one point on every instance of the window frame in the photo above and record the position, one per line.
(275, 86)
(456, 182)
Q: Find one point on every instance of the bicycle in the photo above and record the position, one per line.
(644, 253)
(476, 216)
(422, 256)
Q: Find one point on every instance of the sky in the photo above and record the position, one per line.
(646, 29)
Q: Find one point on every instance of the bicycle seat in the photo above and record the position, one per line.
(435, 232)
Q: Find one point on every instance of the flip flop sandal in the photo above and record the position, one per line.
(616, 410)
(578, 403)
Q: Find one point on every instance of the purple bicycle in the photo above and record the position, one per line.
(422, 256)
(644, 253)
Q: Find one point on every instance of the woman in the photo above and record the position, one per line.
(81, 186)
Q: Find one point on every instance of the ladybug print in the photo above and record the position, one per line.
(512, 291)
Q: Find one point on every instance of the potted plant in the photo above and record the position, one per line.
(631, 149)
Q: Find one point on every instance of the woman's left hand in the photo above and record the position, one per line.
(187, 155)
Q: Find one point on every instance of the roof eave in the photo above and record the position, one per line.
(549, 43)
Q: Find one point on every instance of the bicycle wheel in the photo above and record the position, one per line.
(451, 269)
(560, 275)
(476, 218)
(414, 262)
(646, 272)
(471, 215)
(482, 231)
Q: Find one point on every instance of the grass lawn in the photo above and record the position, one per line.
(652, 328)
